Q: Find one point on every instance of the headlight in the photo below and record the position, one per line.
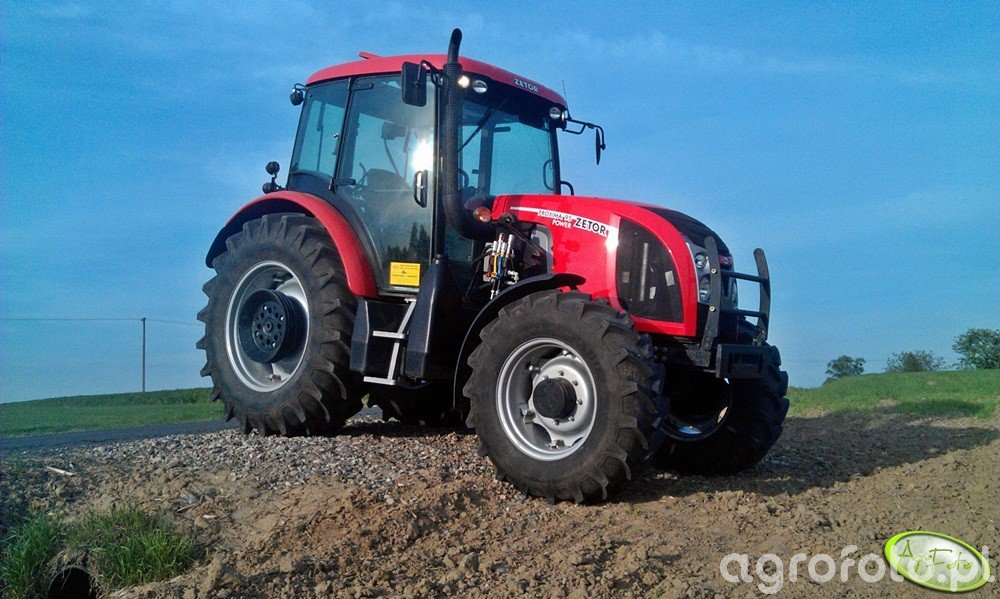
(704, 288)
(701, 261)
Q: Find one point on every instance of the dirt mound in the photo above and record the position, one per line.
(388, 510)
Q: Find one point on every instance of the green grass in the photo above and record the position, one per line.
(126, 547)
(123, 547)
(24, 562)
(971, 393)
(92, 412)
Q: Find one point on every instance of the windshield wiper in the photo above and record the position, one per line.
(486, 117)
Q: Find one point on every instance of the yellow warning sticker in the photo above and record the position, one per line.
(406, 274)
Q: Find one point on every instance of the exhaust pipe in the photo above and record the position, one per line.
(456, 215)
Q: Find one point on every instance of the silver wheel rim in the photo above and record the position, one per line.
(538, 436)
(259, 376)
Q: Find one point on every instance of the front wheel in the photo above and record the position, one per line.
(714, 427)
(561, 396)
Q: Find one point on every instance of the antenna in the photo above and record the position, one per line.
(565, 95)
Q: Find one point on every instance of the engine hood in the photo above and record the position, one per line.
(585, 233)
(690, 228)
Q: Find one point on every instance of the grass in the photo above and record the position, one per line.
(126, 547)
(123, 547)
(94, 412)
(974, 393)
(25, 560)
(970, 393)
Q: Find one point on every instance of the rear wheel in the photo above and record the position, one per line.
(430, 405)
(715, 427)
(277, 327)
(561, 396)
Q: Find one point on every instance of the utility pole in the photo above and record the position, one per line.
(143, 319)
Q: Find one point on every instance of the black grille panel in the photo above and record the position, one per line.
(647, 279)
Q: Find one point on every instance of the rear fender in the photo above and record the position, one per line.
(360, 278)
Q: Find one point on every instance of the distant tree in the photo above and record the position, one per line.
(914, 361)
(838, 368)
(978, 348)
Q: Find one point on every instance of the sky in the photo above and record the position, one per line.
(858, 143)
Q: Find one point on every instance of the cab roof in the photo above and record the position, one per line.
(372, 64)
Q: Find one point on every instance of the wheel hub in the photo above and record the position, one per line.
(269, 325)
(554, 398)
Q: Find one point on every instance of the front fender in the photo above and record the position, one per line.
(491, 310)
(360, 278)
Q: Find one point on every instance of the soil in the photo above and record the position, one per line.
(386, 510)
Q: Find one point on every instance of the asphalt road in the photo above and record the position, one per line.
(49, 441)
(32, 443)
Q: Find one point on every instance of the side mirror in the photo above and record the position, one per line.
(271, 186)
(298, 95)
(414, 81)
(598, 143)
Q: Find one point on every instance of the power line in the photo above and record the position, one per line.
(166, 321)
(143, 320)
(96, 319)
(67, 319)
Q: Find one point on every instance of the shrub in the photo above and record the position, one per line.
(844, 366)
(978, 348)
(914, 361)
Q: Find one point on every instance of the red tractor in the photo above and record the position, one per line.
(423, 253)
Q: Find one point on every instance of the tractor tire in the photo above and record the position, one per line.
(307, 386)
(428, 406)
(754, 413)
(561, 396)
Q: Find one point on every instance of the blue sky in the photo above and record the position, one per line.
(857, 143)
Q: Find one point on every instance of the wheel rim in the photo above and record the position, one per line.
(546, 399)
(267, 325)
(686, 422)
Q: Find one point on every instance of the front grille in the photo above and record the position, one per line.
(646, 277)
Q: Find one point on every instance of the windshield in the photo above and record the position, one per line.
(507, 144)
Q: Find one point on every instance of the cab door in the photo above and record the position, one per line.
(386, 174)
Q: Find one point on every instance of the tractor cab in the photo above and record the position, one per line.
(363, 148)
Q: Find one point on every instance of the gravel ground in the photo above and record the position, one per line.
(389, 510)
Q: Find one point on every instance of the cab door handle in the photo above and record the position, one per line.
(420, 188)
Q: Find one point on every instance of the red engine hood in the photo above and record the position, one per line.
(585, 239)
